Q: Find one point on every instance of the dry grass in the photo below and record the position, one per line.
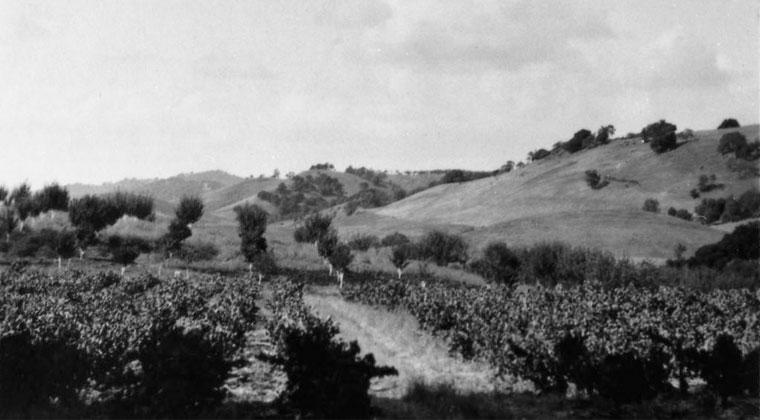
(549, 200)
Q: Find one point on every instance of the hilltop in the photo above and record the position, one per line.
(550, 200)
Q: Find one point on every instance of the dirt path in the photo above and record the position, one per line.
(395, 339)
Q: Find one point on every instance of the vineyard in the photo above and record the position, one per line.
(589, 335)
(99, 345)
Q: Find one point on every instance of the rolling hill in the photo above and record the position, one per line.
(550, 200)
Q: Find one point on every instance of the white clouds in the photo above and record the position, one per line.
(353, 13)
(389, 83)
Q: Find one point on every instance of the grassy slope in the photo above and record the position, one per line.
(550, 200)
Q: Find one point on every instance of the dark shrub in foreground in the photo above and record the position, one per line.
(34, 373)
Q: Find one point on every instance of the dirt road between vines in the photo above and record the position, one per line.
(395, 339)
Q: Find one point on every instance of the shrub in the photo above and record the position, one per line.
(363, 242)
(443, 248)
(199, 251)
(36, 372)
(538, 154)
(734, 142)
(660, 135)
(394, 239)
(327, 378)
(651, 205)
(498, 264)
(574, 363)
(576, 143)
(627, 378)
(604, 134)
(313, 228)
(51, 197)
(723, 368)
(684, 214)
(125, 250)
(743, 243)
(183, 371)
(594, 180)
(400, 256)
(707, 183)
(711, 209)
(729, 123)
(131, 204)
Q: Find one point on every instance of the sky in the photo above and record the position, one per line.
(96, 91)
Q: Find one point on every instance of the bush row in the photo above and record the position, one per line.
(589, 335)
(136, 346)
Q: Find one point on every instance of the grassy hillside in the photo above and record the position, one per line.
(549, 199)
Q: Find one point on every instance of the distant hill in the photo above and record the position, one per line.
(550, 200)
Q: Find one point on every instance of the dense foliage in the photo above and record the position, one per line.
(729, 123)
(660, 135)
(442, 248)
(137, 346)
(313, 228)
(730, 209)
(737, 144)
(188, 211)
(741, 244)
(589, 335)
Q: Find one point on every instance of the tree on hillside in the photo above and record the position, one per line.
(340, 258)
(400, 256)
(326, 245)
(605, 133)
(736, 143)
(131, 204)
(8, 222)
(51, 197)
(580, 138)
(314, 227)
(661, 136)
(21, 200)
(729, 123)
(87, 214)
(3, 194)
(651, 205)
(252, 224)
(507, 167)
(443, 248)
(189, 211)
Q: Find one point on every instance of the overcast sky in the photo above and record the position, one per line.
(97, 91)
